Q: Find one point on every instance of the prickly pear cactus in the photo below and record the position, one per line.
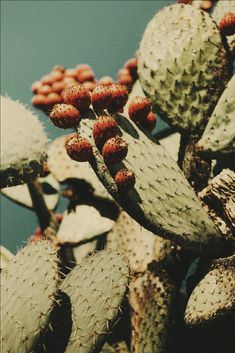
(138, 244)
(162, 201)
(28, 287)
(23, 145)
(151, 300)
(96, 289)
(183, 66)
(214, 297)
(5, 257)
(219, 135)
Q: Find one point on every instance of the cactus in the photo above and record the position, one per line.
(96, 289)
(23, 143)
(214, 297)
(20, 193)
(5, 256)
(183, 66)
(77, 226)
(28, 295)
(219, 135)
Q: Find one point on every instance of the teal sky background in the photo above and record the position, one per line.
(36, 35)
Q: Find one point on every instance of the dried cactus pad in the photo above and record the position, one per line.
(162, 201)
(83, 224)
(183, 66)
(219, 135)
(151, 300)
(96, 289)
(23, 143)
(28, 287)
(63, 167)
(138, 244)
(214, 297)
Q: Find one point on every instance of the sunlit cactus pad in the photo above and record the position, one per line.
(23, 143)
(96, 289)
(183, 66)
(214, 297)
(28, 287)
(219, 135)
(162, 201)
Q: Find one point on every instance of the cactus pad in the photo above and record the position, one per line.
(23, 144)
(183, 66)
(28, 287)
(83, 224)
(219, 135)
(151, 299)
(96, 289)
(138, 244)
(214, 297)
(162, 201)
(5, 256)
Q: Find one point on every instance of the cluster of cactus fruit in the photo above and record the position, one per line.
(148, 267)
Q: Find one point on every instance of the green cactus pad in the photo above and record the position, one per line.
(63, 167)
(162, 201)
(96, 289)
(28, 287)
(20, 193)
(219, 135)
(119, 347)
(5, 256)
(23, 145)
(151, 299)
(138, 244)
(83, 224)
(183, 66)
(214, 297)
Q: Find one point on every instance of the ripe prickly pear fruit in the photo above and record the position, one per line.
(139, 108)
(114, 150)
(78, 96)
(103, 129)
(101, 97)
(79, 148)
(65, 116)
(125, 179)
(227, 24)
(119, 98)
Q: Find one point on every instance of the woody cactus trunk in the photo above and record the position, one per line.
(143, 259)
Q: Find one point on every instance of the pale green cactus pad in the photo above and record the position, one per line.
(214, 297)
(183, 66)
(28, 287)
(138, 244)
(23, 143)
(83, 224)
(151, 300)
(83, 250)
(96, 289)
(5, 256)
(219, 135)
(20, 193)
(63, 167)
(162, 200)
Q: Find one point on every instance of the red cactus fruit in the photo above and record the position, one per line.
(119, 97)
(126, 80)
(58, 87)
(114, 150)
(227, 24)
(58, 68)
(70, 73)
(56, 76)
(122, 72)
(125, 179)
(79, 148)
(85, 75)
(65, 116)
(59, 217)
(82, 67)
(131, 65)
(47, 79)
(35, 86)
(139, 109)
(36, 237)
(150, 122)
(39, 100)
(103, 129)
(184, 1)
(37, 231)
(53, 98)
(78, 96)
(206, 5)
(69, 81)
(89, 85)
(101, 97)
(106, 81)
(45, 90)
